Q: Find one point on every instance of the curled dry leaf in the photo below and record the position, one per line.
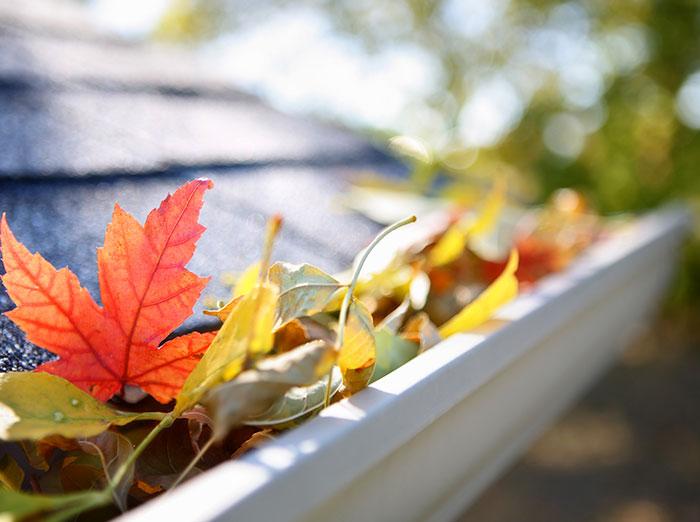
(35, 458)
(36, 405)
(252, 392)
(421, 330)
(298, 403)
(197, 418)
(290, 335)
(11, 474)
(255, 440)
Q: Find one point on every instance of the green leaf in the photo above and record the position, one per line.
(304, 290)
(34, 405)
(15, 505)
(297, 404)
(254, 391)
(392, 351)
(245, 333)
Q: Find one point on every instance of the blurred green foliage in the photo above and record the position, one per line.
(596, 104)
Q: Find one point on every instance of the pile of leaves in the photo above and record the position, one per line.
(126, 411)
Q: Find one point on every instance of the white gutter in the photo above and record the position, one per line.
(424, 441)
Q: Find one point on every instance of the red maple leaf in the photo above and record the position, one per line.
(146, 292)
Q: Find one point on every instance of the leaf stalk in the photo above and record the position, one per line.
(345, 306)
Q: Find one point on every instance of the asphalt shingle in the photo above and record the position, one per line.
(87, 120)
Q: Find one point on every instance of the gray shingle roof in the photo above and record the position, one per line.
(87, 120)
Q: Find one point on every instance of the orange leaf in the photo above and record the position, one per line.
(146, 291)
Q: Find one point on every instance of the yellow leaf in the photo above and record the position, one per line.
(226, 310)
(453, 242)
(247, 281)
(502, 290)
(357, 355)
(247, 333)
(244, 284)
(490, 212)
(449, 247)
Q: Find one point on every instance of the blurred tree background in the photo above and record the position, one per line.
(597, 95)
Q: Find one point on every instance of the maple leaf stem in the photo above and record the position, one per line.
(345, 306)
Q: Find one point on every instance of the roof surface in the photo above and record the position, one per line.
(87, 119)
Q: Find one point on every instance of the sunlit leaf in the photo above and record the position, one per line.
(35, 405)
(450, 246)
(247, 281)
(502, 290)
(357, 355)
(304, 290)
(246, 333)
(244, 284)
(252, 392)
(226, 310)
(146, 293)
(454, 241)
